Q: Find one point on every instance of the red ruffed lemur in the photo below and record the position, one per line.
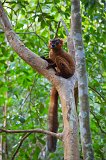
(64, 66)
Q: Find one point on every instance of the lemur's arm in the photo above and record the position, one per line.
(51, 64)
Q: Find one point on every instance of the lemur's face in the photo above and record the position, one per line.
(55, 43)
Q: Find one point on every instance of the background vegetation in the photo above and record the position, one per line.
(25, 93)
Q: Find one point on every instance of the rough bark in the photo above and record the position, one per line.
(82, 82)
(70, 133)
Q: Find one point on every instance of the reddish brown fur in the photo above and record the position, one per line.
(52, 120)
(64, 63)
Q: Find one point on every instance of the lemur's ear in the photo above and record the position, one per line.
(49, 45)
(61, 42)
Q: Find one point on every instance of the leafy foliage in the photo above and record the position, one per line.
(26, 94)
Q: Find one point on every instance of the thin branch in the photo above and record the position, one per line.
(93, 89)
(64, 25)
(58, 8)
(43, 17)
(20, 144)
(3, 2)
(57, 135)
(56, 34)
(70, 44)
(11, 9)
(27, 96)
(29, 33)
(98, 123)
(41, 12)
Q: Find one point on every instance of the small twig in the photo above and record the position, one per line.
(27, 96)
(43, 17)
(33, 33)
(4, 2)
(41, 12)
(20, 144)
(97, 93)
(56, 34)
(57, 135)
(11, 9)
(70, 44)
(64, 25)
(29, 33)
(97, 121)
(58, 8)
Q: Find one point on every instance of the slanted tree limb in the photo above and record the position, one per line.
(27, 55)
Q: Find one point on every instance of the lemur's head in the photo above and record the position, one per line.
(55, 43)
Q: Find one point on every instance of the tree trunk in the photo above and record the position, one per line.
(70, 121)
(82, 82)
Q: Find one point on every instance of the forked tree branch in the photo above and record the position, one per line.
(27, 133)
(20, 144)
